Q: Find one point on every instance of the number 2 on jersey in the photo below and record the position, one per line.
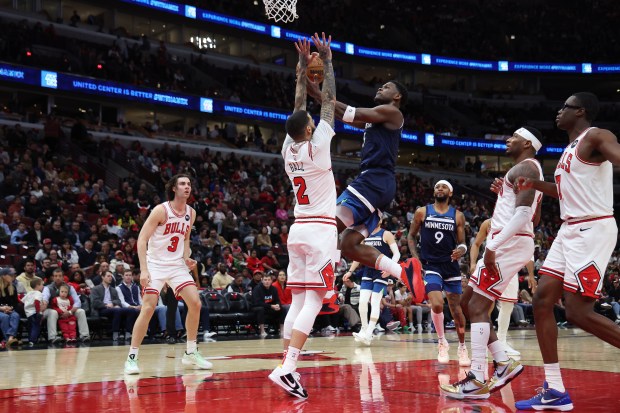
(174, 243)
(302, 198)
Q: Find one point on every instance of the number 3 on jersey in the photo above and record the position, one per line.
(300, 184)
(174, 243)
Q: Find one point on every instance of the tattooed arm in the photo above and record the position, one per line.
(305, 57)
(328, 93)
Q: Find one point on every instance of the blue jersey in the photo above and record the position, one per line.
(376, 240)
(380, 147)
(438, 236)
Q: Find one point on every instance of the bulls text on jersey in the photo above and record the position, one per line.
(176, 228)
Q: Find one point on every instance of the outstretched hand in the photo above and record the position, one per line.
(323, 45)
(303, 48)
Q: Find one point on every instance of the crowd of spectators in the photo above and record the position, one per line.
(139, 63)
(65, 226)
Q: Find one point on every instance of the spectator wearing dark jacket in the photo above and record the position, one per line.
(106, 301)
(266, 304)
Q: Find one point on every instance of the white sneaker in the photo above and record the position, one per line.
(363, 338)
(131, 366)
(429, 328)
(289, 382)
(443, 356)
(263, 335)
(196, 359)
(511, 352)
(379, 329)
(208, 334)
(420, 329)
(463, 356)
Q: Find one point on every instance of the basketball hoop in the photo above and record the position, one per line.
(281, 10)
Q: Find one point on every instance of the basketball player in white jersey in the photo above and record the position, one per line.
(511, 295)
(312, 242)
(163, 251)
(512, 242)
(576, 263)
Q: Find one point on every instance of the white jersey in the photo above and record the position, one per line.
(167, 243)
(585, 189)
(309, 167)
(505, 205)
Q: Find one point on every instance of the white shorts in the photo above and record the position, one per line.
(511, 293)
(580, 254)
(510, 258)
(177, 276)
(312, 250)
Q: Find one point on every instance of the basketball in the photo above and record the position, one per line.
(315, 69)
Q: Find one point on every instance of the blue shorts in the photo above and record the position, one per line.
(371, 192)
(444, 276)
(377, 286)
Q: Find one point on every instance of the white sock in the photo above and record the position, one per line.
(419, 328)
(363, 307)
(553, 375)
(133, 351)
(438, 322)
(498, 350)
(462, 346)
(290, 361)
(191, 346)
(503, 320)
(479, 339)
(383, 263)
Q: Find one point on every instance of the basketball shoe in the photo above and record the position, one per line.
(443, 355)
(196, 359)
(289, 382)
(463, 356)
(468, 388)
(131, 365)
(547, 399)
(505, 372)
(511, 352)
(363, 337)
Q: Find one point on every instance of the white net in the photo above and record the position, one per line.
(281, 10)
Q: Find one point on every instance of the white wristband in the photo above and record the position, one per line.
(462, 245)
(349, 114)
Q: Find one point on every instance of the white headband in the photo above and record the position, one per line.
(529, 136)
(446, 183)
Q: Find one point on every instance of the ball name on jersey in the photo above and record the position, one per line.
(296, 166)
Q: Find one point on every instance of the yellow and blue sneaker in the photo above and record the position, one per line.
(547, 399)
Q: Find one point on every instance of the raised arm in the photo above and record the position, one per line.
(328, 93)
(305, 57)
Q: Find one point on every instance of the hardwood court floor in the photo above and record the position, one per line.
(398, 373)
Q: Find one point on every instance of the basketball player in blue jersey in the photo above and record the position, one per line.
(360, 205)
(441, 228)
(373, 284)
